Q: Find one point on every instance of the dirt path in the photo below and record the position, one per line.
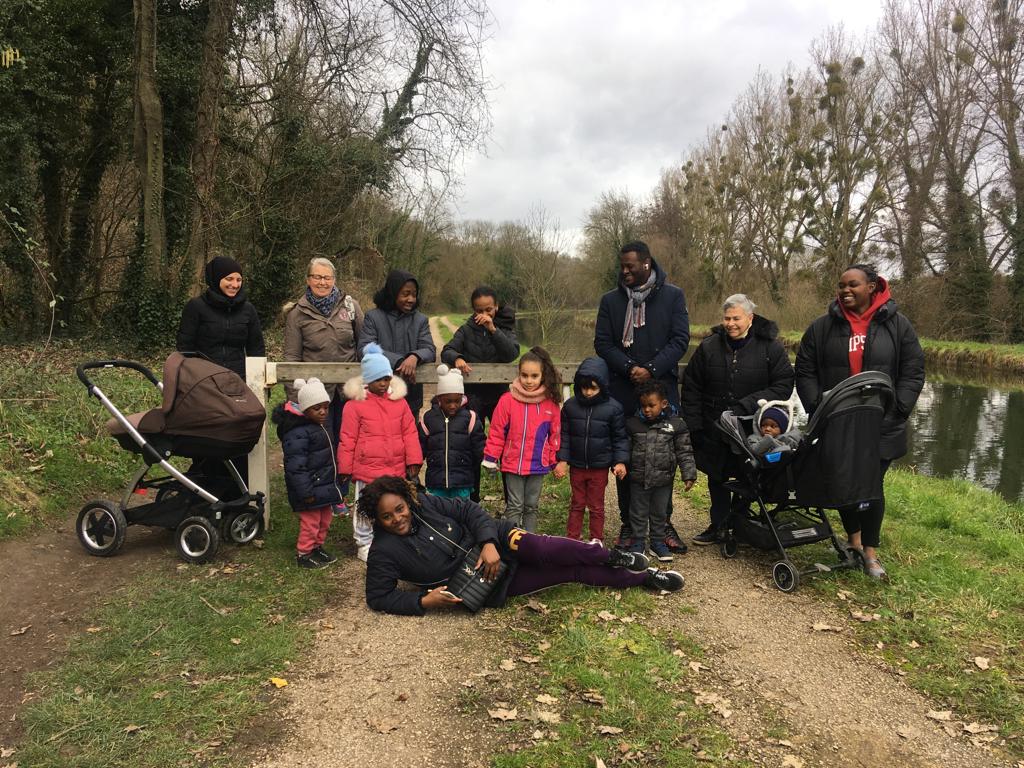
(839, 706)
(449, 324)
(47, 584)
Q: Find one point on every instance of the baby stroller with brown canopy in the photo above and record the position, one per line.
(207, 414)
(782, 496)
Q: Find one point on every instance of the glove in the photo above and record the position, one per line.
(490, 465)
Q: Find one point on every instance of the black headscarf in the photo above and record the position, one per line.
(218, 268)
(386, 296)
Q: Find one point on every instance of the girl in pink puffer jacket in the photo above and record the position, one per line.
(378, 434)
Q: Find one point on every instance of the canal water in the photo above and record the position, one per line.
(965, 425)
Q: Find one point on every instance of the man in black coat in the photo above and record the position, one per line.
(649, 345)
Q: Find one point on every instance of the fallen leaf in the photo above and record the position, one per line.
(843, 594)
(278, 682)
(548, 717)
(627, 619)
(507, 664)
(594, 697)
(606, 616)
(880, 645)
(792, 761)
(236, 641)
(821, 626)
(976, 728)
(679, 652)
(546, 699)
(490, 498)
(94, 630)
(468, 683)
(257, 543)
(275, 618)
(530, 659)
(21, 631)
(543, 645)
(943, 716)
(913, 644)
(785, 743)
(981, 662)
(160, 695)
(608, 730)
(326, 625)
(865, 617)
(537, 735)
(132, 728)
(907, 732)
(538, 606)
(503, 714)
(696, 666)
(6, 752)
(382, 726)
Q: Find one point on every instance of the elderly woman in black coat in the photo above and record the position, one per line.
(423, 539)
(740, 362)
(863, 330)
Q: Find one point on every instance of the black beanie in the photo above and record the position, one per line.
(218, 268)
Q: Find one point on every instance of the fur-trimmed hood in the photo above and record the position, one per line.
(355, 389)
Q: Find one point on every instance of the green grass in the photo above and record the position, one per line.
(180, 663)
(640, 671)
(955, 555)
(54, 449)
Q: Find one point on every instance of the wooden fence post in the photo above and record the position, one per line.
(256, 379)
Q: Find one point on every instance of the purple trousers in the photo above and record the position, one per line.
(545, 561)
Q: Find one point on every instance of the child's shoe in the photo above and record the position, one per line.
(309, 561)
(631, 561)
(340, 510)
(669, 581)
(363, 552)
(675, 545)
(323, 556)
(661, 551)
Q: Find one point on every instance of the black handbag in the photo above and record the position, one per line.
(469, 584)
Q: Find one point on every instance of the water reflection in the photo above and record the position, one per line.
(970, 430)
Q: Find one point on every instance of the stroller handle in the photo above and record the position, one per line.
(81, 369)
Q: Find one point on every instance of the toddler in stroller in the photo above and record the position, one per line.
(207, 414)
(834, 464)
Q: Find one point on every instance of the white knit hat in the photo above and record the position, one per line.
(449, 381)
(311, 392)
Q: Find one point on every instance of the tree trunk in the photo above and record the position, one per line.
(204, 149)
(149, 139)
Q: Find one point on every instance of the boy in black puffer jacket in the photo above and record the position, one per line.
(594, 440)
(660, 442)
(310, 471)
(452, 438)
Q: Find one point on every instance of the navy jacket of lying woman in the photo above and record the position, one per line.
(426, 559)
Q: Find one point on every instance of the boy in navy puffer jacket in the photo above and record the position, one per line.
(594, 440)
(310, 471)
(452, 437)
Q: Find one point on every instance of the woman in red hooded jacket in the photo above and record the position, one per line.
(864, 331)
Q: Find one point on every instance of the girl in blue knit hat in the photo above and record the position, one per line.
(378, 433)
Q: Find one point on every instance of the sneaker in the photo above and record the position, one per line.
(661, 551)
(675, 545)
(309, 561)
(669, 581)
(624, 539)
(708, 536)
(631, 561)
(363, 552)
(323, 556)
(340, 510)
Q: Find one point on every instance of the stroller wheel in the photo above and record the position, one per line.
(728, 547)
(244, 526)
(101, 528)
(197, 540)
(786, 577)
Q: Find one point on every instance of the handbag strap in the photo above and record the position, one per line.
(457, 546)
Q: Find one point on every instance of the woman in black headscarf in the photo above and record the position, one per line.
(221, 323)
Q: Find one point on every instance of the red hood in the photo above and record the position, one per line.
(881, 296)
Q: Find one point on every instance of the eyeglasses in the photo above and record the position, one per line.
(321, 278)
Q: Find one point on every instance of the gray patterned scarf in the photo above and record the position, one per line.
(324, 305)
(636, 313)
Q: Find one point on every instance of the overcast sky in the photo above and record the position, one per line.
(592, 95)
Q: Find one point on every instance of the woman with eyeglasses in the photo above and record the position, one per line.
(323, 326)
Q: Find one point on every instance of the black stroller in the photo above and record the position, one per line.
(209, 415)
(783, 494)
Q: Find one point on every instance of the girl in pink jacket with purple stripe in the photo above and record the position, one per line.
(524, 436)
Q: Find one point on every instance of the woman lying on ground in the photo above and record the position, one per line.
(415, 538)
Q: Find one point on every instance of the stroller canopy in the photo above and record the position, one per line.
(207, 412)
